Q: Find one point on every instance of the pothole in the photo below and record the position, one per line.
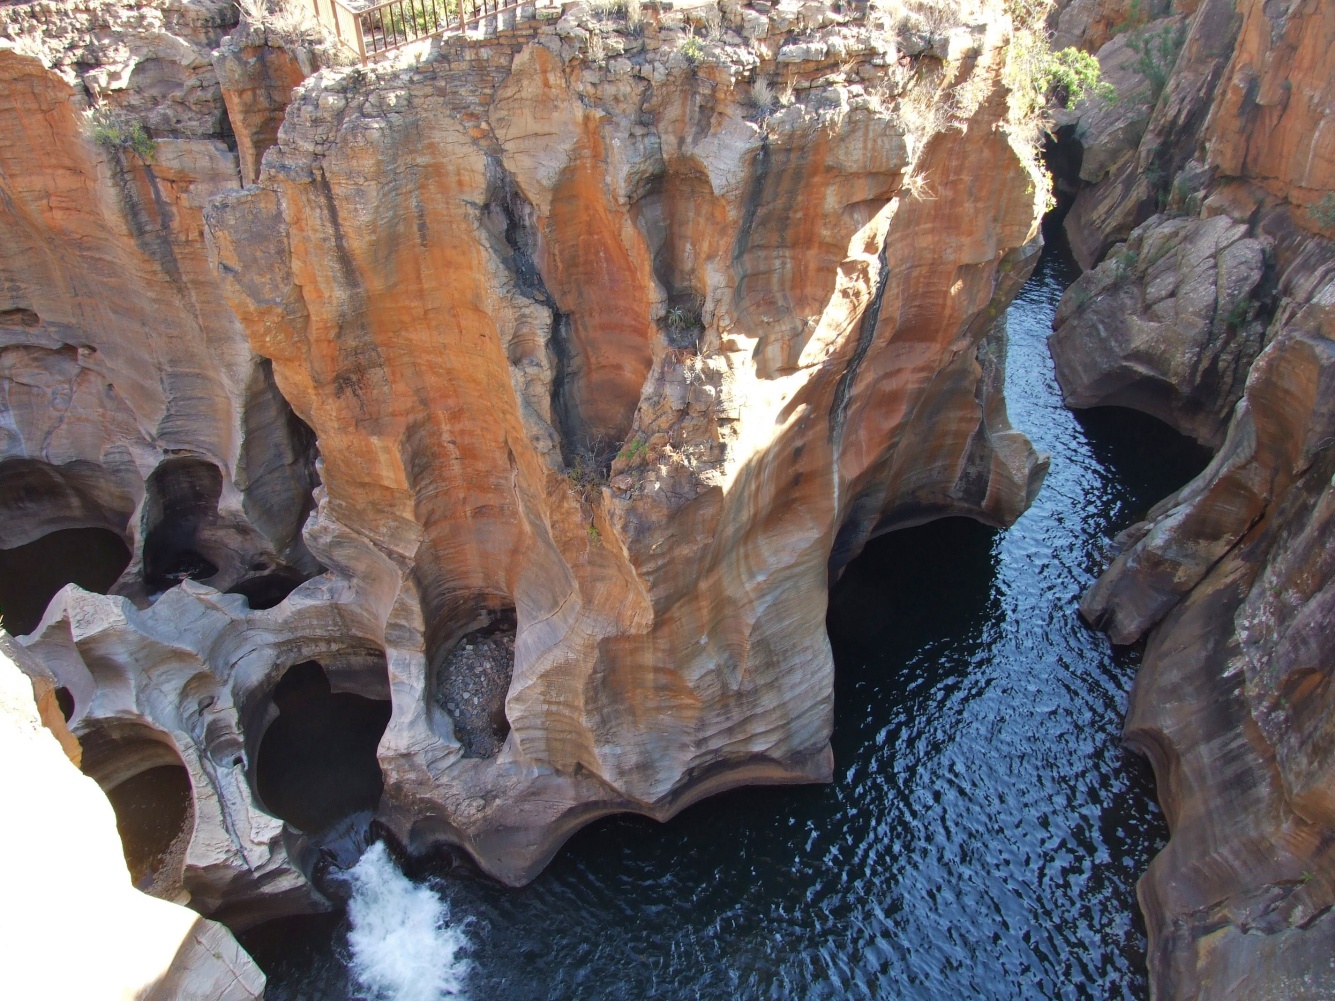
(30, 575)
(154, 817)
(472, 681)
(317, 763)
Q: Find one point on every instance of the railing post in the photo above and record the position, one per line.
(361, 37)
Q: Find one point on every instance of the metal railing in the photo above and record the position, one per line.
(376, 29)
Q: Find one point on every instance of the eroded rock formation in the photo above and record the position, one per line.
(627, 340)
(1218, 316)
(66, 873)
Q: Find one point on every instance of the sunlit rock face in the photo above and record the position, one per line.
(615, 349)
(626, 355)
(64, 874)
(1218, 316)
(132, 401)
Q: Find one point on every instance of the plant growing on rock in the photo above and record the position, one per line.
(684, 326)
(692, 49)
(915, 183)
(1156, 54)
(629, 10)
(284, 20)
(1039, 79)
(1137, 16)
(635, 448)
(1124, 261)
(930, 19)
(762, 95)
(1073, 75)
(1324, 211)
(1239, 314)
(114, 130)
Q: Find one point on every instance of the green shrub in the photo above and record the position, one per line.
(1156, 54)
(634, 448)
(115, 131)
(692, 49)
(1071, 75)
(1124, 261)
(1239, 314)
(1324, 211)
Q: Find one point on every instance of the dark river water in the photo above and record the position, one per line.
(985, 828)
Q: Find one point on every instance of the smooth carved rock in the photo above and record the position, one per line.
(127, 369)
(587, 338)
(1165, 325)
(1229, 579)
(1233, 703)
(1233, 578)
(66, 872)
(702, 303)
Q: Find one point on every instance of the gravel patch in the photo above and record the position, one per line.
(471, 686)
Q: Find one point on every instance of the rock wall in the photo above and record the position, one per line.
(622, 337)
(1217, 315)
(66, 873)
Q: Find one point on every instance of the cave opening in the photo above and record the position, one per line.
(154, 817)
(672, 211)
(65, 702)
(32, 574)
(268, 590)
(317, 761)
(470, 680)
(182, 497)
(910, 588)
(150, 791)
(1063, 155)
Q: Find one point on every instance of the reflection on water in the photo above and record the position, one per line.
(985, 828)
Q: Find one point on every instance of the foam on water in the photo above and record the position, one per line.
(403, 945)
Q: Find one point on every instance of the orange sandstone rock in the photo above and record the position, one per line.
(609, 341)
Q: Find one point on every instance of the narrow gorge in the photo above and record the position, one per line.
(455, 450)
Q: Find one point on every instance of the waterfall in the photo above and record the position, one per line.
(404, 947)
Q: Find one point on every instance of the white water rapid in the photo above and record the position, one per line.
(403, 945)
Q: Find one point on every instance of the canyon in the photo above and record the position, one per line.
(468, 442)
(1212, 307)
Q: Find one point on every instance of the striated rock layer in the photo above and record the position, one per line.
(1217, 315)
(613, 345)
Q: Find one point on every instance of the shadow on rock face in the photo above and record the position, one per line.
(149, 789)
(471, 681)
(182, 496)
(317, 761)
(30, 575)
(910, 586)
(268, 590)
(153, 810)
